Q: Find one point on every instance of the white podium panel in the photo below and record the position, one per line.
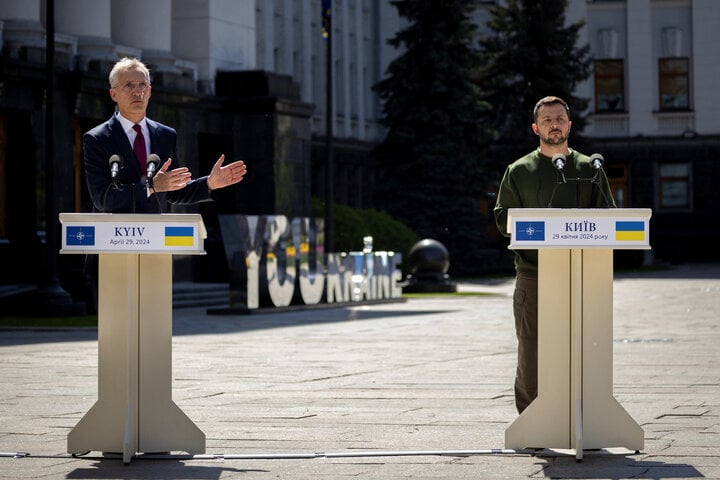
(621, 228)
(132, 233)
(134, 412)
(575, 407)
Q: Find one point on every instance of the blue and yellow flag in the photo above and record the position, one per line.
(179, 236)
(629, 231)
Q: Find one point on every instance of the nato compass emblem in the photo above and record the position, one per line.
(530, 231)
(84, 235)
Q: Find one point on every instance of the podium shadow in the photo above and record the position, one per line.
(153, 470)
(690, 271)
(194, 321)
(187, 324)
(612, 466)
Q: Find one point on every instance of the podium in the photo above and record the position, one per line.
(134, 411)
(575, 407)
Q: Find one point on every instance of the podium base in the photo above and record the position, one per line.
(575, 407)
(544, 424)
(102, 429)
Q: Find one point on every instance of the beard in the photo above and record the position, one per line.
(550, 140)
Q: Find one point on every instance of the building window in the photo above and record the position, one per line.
(674, 83)
(674, 186)
(618, 178)
(609, 86)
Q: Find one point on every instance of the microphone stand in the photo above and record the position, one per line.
(560, 180)
(151, 190)
(595, 180)
(558, 161)
(118, 186)
(577, 193)
(114, 185)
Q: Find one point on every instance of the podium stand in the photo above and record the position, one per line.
(575, 407)
(134, 411)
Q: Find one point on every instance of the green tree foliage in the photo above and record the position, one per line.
(531, 53)
(352, 224)
(432, 157)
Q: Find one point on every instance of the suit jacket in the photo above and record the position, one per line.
(128, 194)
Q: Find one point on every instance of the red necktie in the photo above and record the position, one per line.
(140, 150)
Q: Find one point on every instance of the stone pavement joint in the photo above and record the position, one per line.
(364, 391)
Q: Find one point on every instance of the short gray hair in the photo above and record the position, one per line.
(124, 65)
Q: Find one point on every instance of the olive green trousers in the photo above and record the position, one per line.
(525, 310)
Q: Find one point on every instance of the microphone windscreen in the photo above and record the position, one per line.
(115, 158)
(153, 158)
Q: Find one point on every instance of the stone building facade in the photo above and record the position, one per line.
(247, 78)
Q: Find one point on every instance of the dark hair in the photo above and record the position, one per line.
(550, 100)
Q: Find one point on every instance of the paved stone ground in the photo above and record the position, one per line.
(426, 375)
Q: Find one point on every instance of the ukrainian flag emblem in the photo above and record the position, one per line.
(179, 236)
(630, 231)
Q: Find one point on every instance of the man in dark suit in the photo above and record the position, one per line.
(133, 137)
(130, 137)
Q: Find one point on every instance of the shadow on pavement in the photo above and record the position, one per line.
(613, 466)
(155, 470)
(195, 321)
(686, 271)
(243, 323)
(594, 466)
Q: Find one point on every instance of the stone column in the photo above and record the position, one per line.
(705, 67)
(288, 38)
(142, 24)
(148, 26)
(578, 11)
(20, 10)
(89, 20)
(642, 100)
(306, 82)
(23, 34)
(345, 66)
(268, 53)
(359, 79)
(215, 36)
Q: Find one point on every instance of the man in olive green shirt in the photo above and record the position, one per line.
(534, 182)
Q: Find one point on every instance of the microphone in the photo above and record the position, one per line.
(116, 164)
(152, 164)
(558, 161)
(153, 161)
(597, 160)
